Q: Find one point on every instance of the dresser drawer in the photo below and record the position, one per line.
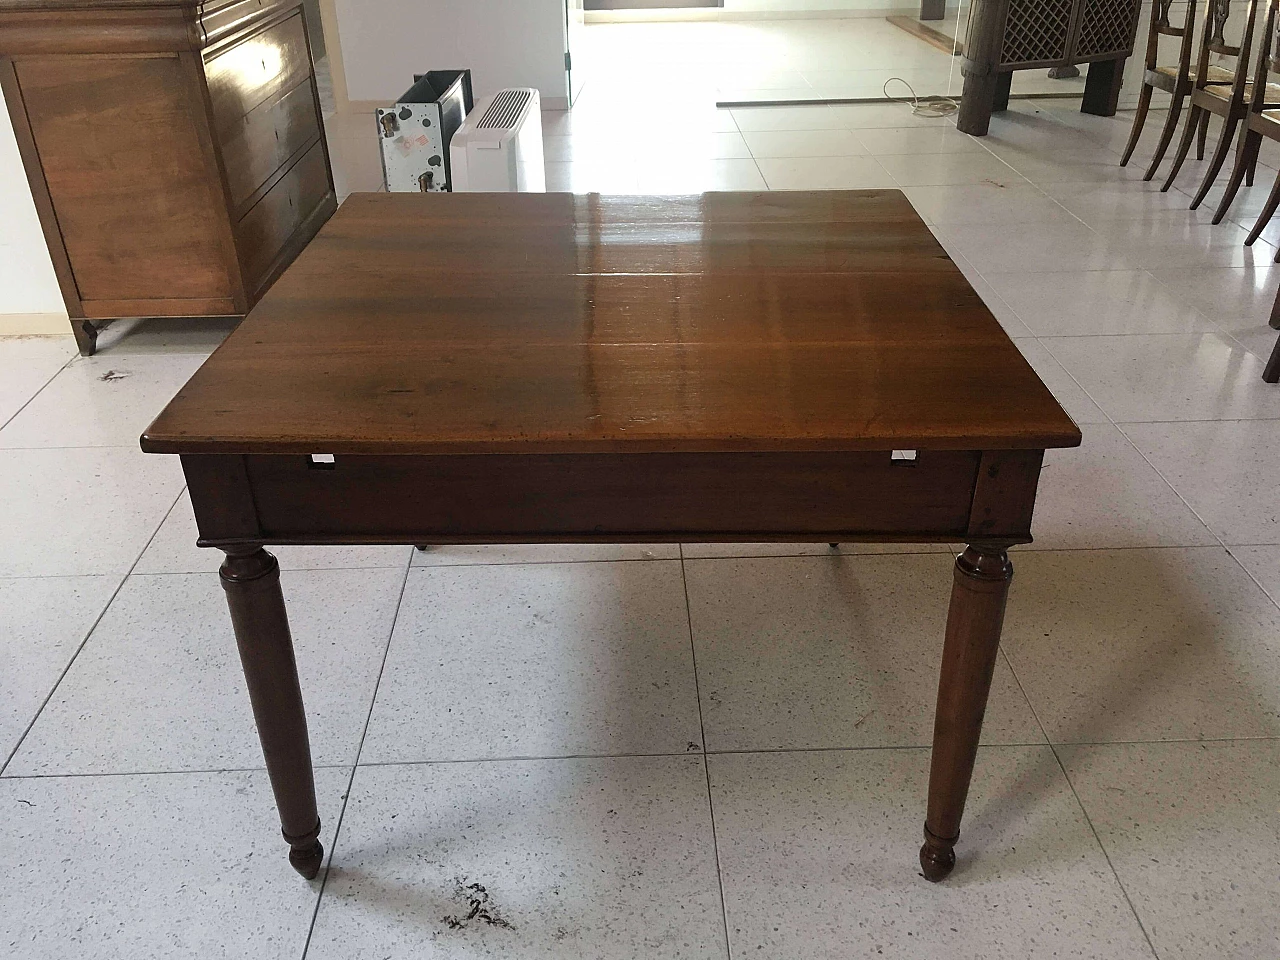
(221, 18)
(259, 69)
(267, 227)
(266, 139)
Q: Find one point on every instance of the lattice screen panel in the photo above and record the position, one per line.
(1107, 27)
(1037, 30)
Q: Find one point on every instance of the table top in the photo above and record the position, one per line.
(555, 323)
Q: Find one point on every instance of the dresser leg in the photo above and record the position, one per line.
(982, 577)
(86, 334)
(251, 579)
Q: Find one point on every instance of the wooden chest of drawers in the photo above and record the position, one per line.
(175, 149)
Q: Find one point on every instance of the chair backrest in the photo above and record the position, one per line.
(1213, 41)
(1270, 52)
(1161, 27)
(1215, 26)
(1268, 57)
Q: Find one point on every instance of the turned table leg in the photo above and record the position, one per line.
(982, 578)
(251, 579)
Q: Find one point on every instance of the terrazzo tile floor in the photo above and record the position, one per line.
(695, 752)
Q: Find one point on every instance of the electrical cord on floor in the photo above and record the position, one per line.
(928, 107)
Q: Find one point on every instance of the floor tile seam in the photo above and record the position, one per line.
(808, 156)
(1072, 270)
(1026, 698)
(1165, 288)
(415, 567)
(1152, 333)
(1071, 376)
(132, 445)
(1079, 803)
(193, 772)
(1168, 483)
(924, 746)
(1244, 346)
(1031, 551)
(1106, 854)
(1249, 573)
(57, 576)
(31, 399)
(706, 770)
(1235, 337)
(1137, 423)
(1116, 421)
(982, 142)
(1162, 741)
(1039, 182)
(84, 640)
(976, 183)
(355, 766)
(681, 755)
(938, 555)
(1040, 188)
(1222, 544)
(283, 569)
(923, 552)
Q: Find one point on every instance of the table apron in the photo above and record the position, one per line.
(530, 498)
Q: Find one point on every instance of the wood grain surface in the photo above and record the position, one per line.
(553, 323)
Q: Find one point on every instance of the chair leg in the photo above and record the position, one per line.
(1166, 136)
(1139, 119)
(1268, 208)
(1203, 136)
(1252, 170)
(1184, 146)
(1219, 158)
(1246, 156)
(1271, 374)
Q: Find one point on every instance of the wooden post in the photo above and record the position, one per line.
(1102, 88)
(981, 57)
(251, 579)
(1004, 82)
(982, 577)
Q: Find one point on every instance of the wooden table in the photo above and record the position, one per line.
(496, 368)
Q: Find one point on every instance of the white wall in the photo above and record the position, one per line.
(506, 43)
(28, 286)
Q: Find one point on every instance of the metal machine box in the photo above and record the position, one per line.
(416, 131)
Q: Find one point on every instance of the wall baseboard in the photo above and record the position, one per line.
(34, 325)
(697, 14)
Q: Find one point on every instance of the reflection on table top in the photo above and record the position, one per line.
(555, 323)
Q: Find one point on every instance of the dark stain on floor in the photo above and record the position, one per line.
(478, 908)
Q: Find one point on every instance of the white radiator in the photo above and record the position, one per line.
(498, 148)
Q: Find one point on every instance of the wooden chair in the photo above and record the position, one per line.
(1271, 374)
(1173, 79)
(1261, 121)
(1210, 97)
